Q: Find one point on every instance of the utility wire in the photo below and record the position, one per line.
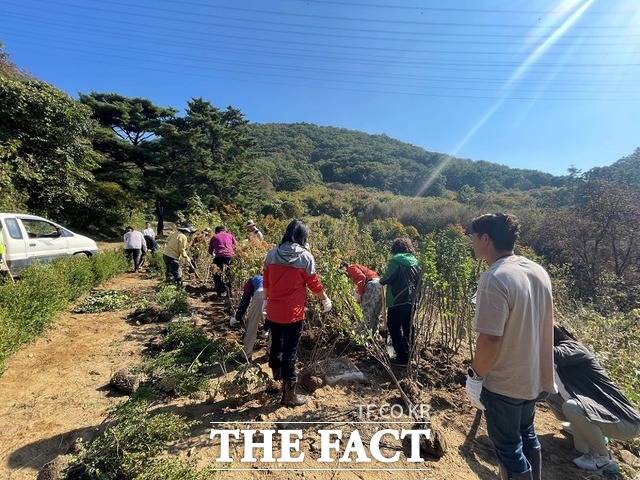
(170, 42)
(31, 18)
(455, 9)
(405, 50)
(321, 27)
(373, 20)
(128, 6)
(149, 53)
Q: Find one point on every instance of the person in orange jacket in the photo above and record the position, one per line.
(369, 293)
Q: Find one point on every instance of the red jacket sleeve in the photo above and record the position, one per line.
(358, 277)
(313, 282)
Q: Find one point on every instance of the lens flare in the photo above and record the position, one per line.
(576, 9)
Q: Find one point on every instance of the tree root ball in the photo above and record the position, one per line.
(150, 314)
(311, 382)
(411, 390)
(125, 381)
(436, 444)
(56, 469)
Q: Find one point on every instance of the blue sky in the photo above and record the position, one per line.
(538, 84)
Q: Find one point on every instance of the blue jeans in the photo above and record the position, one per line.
(510, 427)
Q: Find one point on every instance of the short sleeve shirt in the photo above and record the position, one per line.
(514, 301)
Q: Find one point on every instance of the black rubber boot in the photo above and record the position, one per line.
(505, 475)
(273, 386)
(289, 396)
(534, 456)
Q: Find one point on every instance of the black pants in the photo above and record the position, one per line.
(399, 325)
(284, 347)
(152, 245)
(220, 286)
(134, 254)
(174, 270)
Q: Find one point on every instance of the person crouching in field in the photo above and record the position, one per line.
(401, 277)
(593, 405)
(251, 304)
(513, 362)
(174, 251)
(134, 247)
(289, 269)
(369, 293)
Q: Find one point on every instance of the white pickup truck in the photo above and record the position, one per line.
(29, 239)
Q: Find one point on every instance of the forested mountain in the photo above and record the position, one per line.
(303, 152)
(626, 170)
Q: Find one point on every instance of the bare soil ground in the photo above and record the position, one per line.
(55, 390)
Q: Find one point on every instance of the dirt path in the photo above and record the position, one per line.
(52, 391)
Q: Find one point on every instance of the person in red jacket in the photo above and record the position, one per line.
(369, 293)
(289, 269)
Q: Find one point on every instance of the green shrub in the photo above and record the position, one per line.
(615, 339)
(30, 305)
(104, 301)
(134, 439)
(173, 299)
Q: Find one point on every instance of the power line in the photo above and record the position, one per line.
(457, 79)
(385, 61)
(127, 6)
(164, 39)
(31, 18)
(453, 9)
(323, 45)
(299, 77)
(375, 20)
(252, 23)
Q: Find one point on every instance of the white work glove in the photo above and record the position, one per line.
(233, 321)
(326, 305)
(264, 308)
(474, 388)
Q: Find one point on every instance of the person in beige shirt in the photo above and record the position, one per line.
(176, 250)
(513, 361)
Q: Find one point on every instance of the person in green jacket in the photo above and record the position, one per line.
(401, 278)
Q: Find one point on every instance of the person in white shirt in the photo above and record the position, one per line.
(134, 246)
(254, 231)
(150, 238)
(148, 231)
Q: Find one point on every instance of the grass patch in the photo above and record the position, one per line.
(173, 299)
(104, 301)
(130, 444)
(29, 306)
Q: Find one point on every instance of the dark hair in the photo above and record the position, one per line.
(296, 232)
(502, 228)
(561, 334)
(402, 245)
(344, 264)
(219, 228)
(128, 228)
